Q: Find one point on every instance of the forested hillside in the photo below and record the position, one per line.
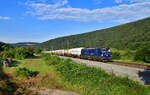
(24, 44)
(130, 35)
(3, 46)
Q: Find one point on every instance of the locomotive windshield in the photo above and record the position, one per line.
(106, 49)
(106, 52)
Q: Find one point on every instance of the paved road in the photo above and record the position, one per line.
(141, 75)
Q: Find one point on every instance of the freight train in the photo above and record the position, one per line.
(100, 54)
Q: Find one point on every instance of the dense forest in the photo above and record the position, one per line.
(24, 44)
(126, 36)
(4, 46)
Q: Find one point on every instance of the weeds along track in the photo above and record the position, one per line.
(132, 65)
(135, 72)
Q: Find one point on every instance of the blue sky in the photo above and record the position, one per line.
(41, 20)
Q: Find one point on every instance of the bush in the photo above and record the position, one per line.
(29, 51)
(116, 55)
(24, 72)
(37, 50)
(1, 61)
(143, 54)
(18, 53)
(54, 60)
(8, 54)
(24, 52)
(128, 55)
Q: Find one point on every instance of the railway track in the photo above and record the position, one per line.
(133, 65)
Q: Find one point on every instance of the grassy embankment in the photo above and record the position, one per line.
(64, 74)
(92, 81)
(33, 73)
(8, 86)
(125, 56)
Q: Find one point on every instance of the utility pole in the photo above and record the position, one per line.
(67, 44)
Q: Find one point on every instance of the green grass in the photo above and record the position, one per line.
(127, 56)
(34, 64)
(45, 77)
(64, 74)
(92, 81)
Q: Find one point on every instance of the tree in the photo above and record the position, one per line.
(143, 54)
(37, 50)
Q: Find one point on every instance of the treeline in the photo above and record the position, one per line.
(4, 46)
(127, 36)
(142, 54)
(18, 52)
(24, 44)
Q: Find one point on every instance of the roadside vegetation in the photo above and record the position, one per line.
(24, 72)
(29, 71)
(9, 84)
(91, 81)
(139, 56)
(17, 53)
(56, 73)
(30, 74)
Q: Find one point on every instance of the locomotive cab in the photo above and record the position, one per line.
(106, 52)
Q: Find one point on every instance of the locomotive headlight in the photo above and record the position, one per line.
(109, 50)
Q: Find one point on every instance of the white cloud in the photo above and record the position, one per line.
(118, 1)
(131, 1)
(121, 13)
(4, 18)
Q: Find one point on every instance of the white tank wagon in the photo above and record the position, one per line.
(66, 52)
(47, 52)
(60, 52)
(75, 52)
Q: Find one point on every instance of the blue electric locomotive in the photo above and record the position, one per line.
(99, 54)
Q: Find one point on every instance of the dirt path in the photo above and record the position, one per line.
(48, 91)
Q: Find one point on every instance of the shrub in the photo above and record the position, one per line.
(8, 54)
(116, 55)
(29, 51)
(24, 72)
(18, 53)
(143, 54)
(37, 50)
(128, 55)
(1, 62)
(54, 60)
(24, 52)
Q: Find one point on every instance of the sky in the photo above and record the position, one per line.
(42, 20)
